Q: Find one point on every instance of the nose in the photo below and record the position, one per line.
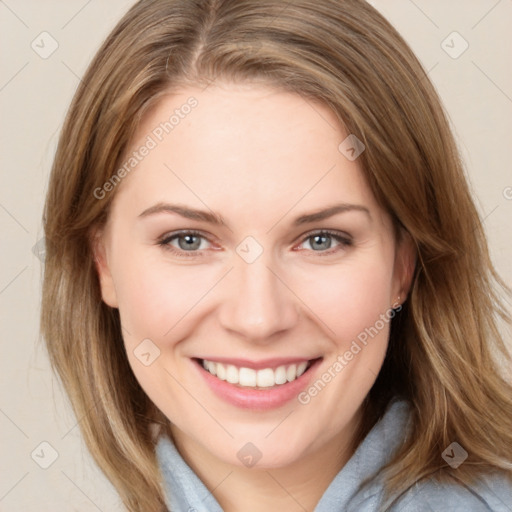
(258, 304)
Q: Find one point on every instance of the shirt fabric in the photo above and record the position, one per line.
(185, 492)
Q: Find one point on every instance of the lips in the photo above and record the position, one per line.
(259, 384)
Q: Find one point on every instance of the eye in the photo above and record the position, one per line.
(192, 243)
(185, 242)
(324, 241)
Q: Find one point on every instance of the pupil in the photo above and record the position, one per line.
(188, 242)
(321, 241)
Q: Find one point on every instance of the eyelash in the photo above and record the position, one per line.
(343, 239)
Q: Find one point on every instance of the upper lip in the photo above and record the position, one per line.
(262, 363)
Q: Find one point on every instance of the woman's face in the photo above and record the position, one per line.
(245, 239)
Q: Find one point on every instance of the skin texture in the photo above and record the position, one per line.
(260, 158)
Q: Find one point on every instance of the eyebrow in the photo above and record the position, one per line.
(217, 219)
(188, 213)
(329, 212)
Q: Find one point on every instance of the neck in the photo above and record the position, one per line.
(297, 486)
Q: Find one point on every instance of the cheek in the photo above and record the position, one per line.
(159, 302)
(155, 296)
(348, 298)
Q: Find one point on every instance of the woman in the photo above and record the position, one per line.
(267, 285)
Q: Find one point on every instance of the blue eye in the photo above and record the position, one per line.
(186, 241)
(322, 241)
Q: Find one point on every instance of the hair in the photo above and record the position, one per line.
(444, 345)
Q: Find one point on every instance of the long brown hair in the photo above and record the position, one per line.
(344, 54)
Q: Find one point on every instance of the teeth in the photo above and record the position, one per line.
(247, 377)
(291, 372)
(280, 375)
(301, 368)
(265, 378)
(221, 371)
(211, 367)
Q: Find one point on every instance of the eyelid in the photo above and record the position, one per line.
(175, 234)
(326, 231)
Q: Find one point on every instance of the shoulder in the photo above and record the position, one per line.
(360, 486)
(492, 493)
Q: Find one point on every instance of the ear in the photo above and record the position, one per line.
(100, 254)
(405, 265)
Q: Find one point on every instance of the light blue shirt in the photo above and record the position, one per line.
(185, 492)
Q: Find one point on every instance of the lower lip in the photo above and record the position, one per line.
(257, 399)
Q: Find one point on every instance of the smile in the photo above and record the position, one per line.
(252, 378)
(261, 385)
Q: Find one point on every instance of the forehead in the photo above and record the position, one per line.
(242, 146)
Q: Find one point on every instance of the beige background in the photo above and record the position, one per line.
(476, 88)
